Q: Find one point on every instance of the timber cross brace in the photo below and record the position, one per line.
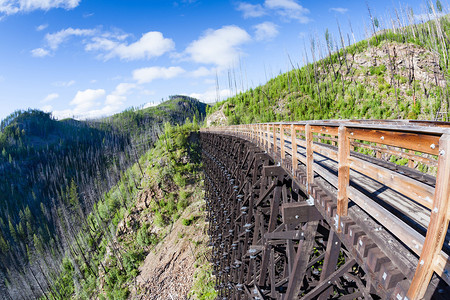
(317, 210)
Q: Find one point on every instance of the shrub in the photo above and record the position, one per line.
(179, 180)
(145, 238)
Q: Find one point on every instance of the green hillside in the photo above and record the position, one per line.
(396, 74)
(44, 161)
(134, 217)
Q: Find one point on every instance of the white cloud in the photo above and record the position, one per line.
(9, 7)
(85, 100)
(86, 104)
(40, 52)
(97, 103)
(201, 72)
(64, 83)
(210, 95)
(266, 31)
(41, 27)
(251, 10)
(109, 44)
(57, 38)
(50, 98)
(219, 47)
(117, 97)
(146, 75)
(151, 44)
(340, 10)
(288, 9)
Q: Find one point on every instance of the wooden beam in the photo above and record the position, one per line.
(438, 224)
(268, 138)
(414, 141)
(283, 155)
(416, 190)
(330, 261)
(301, 261)
(295, 213)
(409, 155)
(343, 175)
(309, 157)
(331, 130)
(294, 149)
(329, 280)
(274, 129)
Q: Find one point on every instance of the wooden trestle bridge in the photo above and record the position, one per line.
(318, 210)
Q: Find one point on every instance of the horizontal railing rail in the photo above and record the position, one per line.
(411, 142)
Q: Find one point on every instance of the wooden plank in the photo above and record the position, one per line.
(401, 230)
(283, 154)
(299, 127)
(332, 130)
(284, 235)
(343, 175)
(442, 267)
(274, 135)
(409, 155)
(309, 157)
(438, 224)
(295, 213)
(414, 141)
(273, 171)
(268, 138)
(294, 148)
(325, 151)
(416, 190)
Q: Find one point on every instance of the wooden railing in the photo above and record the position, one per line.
(427, 143)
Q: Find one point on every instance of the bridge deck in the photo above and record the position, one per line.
(410, 205)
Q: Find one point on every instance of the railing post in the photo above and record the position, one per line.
(294, 149)
(258, 134)
(274, 128)
(309, 157)
(282, 142)
(437, 228)
(268, 137)
(343, 175)
(253, 133)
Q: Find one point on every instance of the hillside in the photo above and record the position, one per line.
(147, 235)
(45, 163)
(401, 73)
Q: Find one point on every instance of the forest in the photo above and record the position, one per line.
(54, 172)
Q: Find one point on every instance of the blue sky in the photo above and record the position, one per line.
(90, 58)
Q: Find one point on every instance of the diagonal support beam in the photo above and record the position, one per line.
(329, 280)
(301, 260)
(330, 262)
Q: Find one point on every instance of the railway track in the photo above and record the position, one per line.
(297, 211)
